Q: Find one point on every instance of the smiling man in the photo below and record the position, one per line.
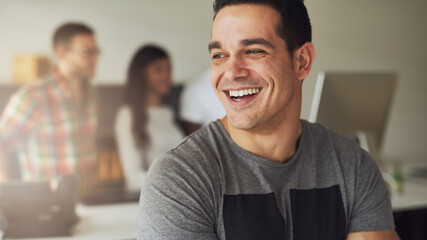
(261, 172)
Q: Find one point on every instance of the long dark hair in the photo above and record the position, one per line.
(136, 91)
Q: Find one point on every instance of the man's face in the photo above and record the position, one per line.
(250, 59)
(81, 56)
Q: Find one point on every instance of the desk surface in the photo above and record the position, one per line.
(414, 195)
(106, 222)
(117, 221)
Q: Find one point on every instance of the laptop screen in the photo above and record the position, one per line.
(39, 209)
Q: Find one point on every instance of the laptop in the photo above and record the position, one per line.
(38, 209)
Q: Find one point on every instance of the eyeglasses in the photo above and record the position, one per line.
(87, 53)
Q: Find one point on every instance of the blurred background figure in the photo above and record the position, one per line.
(199, 104)
(145, 124)
(50, 125)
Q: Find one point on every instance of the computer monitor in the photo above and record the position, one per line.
(355, 105)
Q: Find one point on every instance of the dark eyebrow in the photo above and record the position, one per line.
(260, 41)
(213, 45)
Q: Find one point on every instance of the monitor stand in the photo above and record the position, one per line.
(366, 141)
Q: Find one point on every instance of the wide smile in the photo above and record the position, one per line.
(242, 94)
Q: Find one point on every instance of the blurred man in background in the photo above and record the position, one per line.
(50, 126)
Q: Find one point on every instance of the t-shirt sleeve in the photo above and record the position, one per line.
(372, 208)
(176, 202)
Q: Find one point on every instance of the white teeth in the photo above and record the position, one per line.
(241, 93)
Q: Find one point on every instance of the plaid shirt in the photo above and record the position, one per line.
(43, 126)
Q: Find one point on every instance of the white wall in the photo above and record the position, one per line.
(182, 27)
(348, 35)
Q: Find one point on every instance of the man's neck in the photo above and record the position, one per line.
(77, 87)
(277, 144)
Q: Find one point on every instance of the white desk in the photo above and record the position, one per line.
(118, 221)
(414, 194)
(106, 222)
(414, 197)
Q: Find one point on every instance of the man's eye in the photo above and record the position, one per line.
(255, 51)
(216, 56)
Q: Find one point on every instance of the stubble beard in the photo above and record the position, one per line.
(245, 121)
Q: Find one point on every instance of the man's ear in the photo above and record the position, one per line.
(303, 60)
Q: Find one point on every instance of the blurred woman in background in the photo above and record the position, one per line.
(144, 124)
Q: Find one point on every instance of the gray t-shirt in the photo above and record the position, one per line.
(210, 188)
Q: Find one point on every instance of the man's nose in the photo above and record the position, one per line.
(236, 68)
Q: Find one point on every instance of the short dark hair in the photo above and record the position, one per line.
(65, 33)
(294, 26)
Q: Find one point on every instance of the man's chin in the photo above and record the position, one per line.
(87, 77)
(242, 123)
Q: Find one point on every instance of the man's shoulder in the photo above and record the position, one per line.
(37, 88)
(320, 135)
(329, 145)
(198, 150)
(188, 165)
(199, 144)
